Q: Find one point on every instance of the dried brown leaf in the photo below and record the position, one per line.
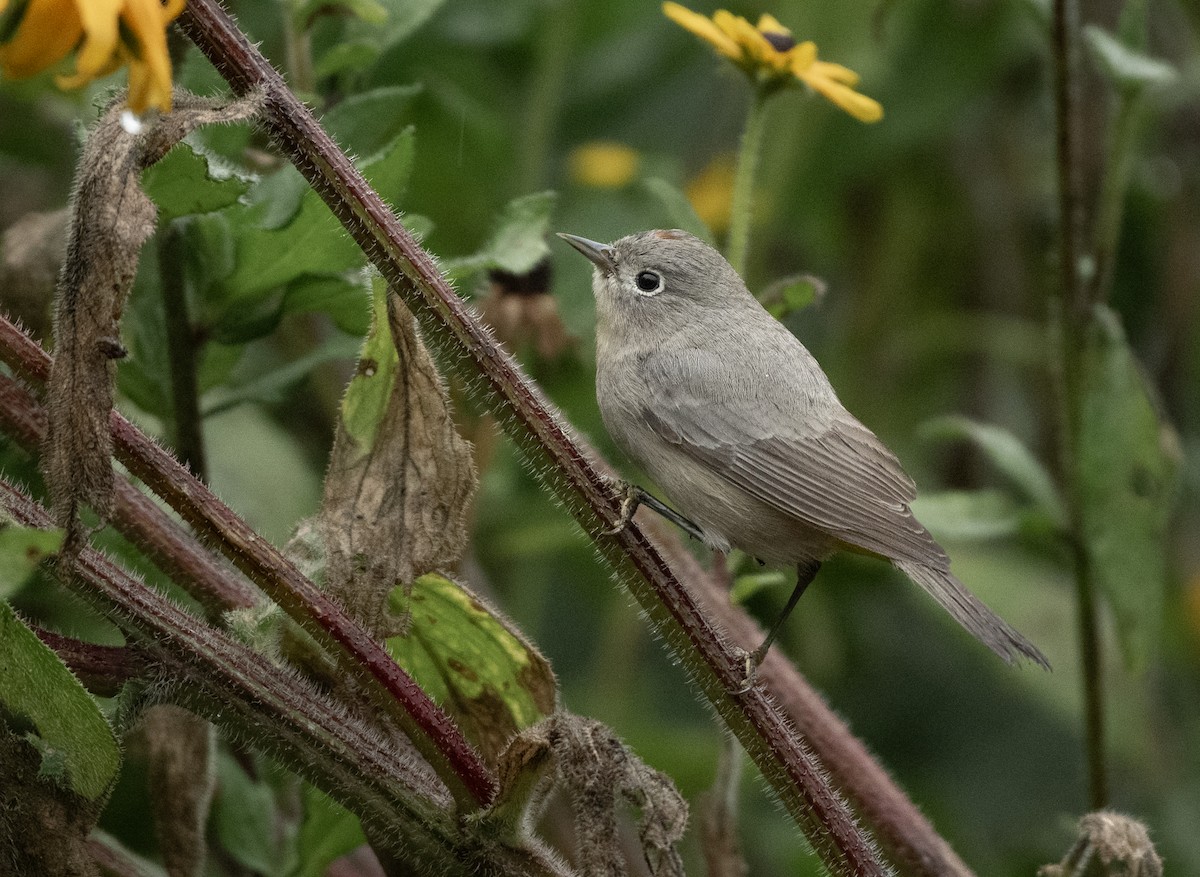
(111, 218)
(400, 479)
(1109, 845)
(595, 769)
(31, 256)
(43, 826)
(181, 748)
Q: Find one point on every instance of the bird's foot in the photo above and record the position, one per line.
(631, 498)
(750, 669)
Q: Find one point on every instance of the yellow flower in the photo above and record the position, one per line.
(711, 192)
(770, 55)
(106, 34)
(603, 164)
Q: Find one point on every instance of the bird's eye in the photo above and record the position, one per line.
(649, 282)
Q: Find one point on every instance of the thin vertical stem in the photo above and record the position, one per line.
(554, 58)
(1074, 324)
(742, 206)
(188, 437)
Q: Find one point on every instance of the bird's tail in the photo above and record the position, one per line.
(967, 609)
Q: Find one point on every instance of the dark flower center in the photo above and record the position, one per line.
(781, 42)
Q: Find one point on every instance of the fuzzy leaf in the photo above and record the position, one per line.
(400, 476)
(1127, 467)
(311, 241)
(245, 818)
(518, 243)
(368, 121)
(327, 832)
(77, 745)
(21, 550)
(189, 180)
(473, 663)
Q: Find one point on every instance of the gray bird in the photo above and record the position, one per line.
(736, 422)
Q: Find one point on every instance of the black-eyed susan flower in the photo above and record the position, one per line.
(603, 164)
(770, 55)
(104, 34)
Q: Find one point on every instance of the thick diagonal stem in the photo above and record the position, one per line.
(716, 667)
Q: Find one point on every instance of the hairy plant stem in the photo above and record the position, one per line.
(1074, 322)
(392, 790)
(181, 352)
(741, 208)
(716, 667)
(437, 737)
(135, 515)
(101, 669)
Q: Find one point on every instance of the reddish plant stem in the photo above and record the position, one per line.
(135, 516)
(434, 733)
(715, 665)
(101, 669)
(906, 836)
(394, 792)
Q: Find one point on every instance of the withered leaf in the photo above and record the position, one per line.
(596, 769)
(181, 748)
(111, 218)
(400, 476)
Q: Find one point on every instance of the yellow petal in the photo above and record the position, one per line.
(143, 18)
(802, 56)
(49, 29)
(171, 10)
(770, 24)
(99, 20)
(752, 43)
(703, 27)
(836, 72)
(858, 105)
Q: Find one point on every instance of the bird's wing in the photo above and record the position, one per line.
(778, 433)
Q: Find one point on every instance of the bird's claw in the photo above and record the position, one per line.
(630, 500)
(752, 660)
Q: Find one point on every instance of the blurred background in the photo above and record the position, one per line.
(933, 237)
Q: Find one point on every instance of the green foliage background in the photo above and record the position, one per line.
(933, 233)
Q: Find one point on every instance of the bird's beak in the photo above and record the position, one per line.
(601, 255)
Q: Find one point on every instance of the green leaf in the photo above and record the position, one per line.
(746, 586)
(790, 294)
(679, 210)
(327, 832)
(21, 550)
(312, 241)
(1007, 453)
(367, 395)
(518, 243)
(345, 299)
(188, 180)
(77, 745)
(472, 663)
(403, 17)
(345, 57)
(1125, 66)
(245, 819)
(367, 122)
(274, 385)
(1127, 465)
(974, 515)
(368, 11)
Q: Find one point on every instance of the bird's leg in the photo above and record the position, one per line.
(634, 496)
(805, 573)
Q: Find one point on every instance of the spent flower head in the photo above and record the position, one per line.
(105, 36)
(771, 57)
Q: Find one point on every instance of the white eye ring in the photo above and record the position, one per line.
(648, 283)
